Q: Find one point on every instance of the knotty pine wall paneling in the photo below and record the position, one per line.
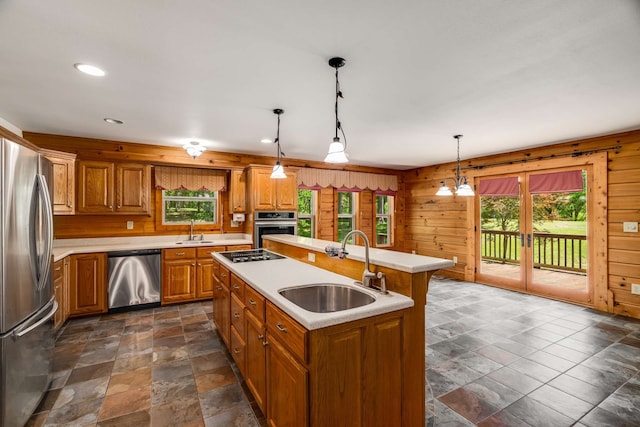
(442, 226)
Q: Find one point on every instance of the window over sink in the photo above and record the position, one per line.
(183, 206)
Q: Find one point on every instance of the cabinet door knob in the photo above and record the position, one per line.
(281, 328)
(236, 351)
(265, 343)
(219, 288)
(251, 301)
(261, 337)
(236, 315)
(110, 206)
(236, 287)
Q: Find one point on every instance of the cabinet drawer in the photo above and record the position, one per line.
(238, 351)
(254, 302)
(215, 270)
(288, 331)
(58, 270)
(237, 314)
(237, 286)
(179, 253)
(224, 276)
(206, 252)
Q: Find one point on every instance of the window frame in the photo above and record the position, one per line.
(389, 216)
(353, 215)
(181, 226)
(311, 216)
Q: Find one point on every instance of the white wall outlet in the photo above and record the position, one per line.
(312, 257)
(455, 260)
(235, 223)
(129, 225)
(635, 289)
(630, 227)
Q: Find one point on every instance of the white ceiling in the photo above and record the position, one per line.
(506, 74)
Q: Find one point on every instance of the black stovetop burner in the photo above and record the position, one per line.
(250, 256)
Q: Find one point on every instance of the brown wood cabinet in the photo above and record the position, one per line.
(64, 184)
(88, 284)
(272, 194)
(204, 271)
(221, 301)
(61, 291)
(237, 191)
(347, 374)
(106, 187)
(187, 274)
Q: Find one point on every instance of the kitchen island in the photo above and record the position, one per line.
(360, 367)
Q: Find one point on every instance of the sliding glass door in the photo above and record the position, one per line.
(533, 232)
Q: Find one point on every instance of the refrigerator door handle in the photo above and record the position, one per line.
(24, 330)
(44, 264)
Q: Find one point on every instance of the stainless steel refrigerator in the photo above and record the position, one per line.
(27, 304)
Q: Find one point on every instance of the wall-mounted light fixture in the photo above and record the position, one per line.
(278, 170)
(337, 149)
(461, 186)
(194, 148)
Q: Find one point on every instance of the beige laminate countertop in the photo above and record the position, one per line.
(65, 247)
(409, 263)
(269, 277)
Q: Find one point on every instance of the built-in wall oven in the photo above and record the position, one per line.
(271, 222)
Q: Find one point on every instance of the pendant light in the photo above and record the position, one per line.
(337, 149)
(278, 170)
(461, 186)
(194, 148)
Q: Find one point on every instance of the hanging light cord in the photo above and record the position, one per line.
(458, 182)
(338, 124)
(280, 153)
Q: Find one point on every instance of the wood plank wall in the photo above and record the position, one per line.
(440, 226)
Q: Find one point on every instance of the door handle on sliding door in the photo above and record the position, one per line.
(521, 239)
(528, 240)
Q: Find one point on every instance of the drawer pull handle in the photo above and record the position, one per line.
(236, 315)
(236, 287)
(251, 301)
(223, 274)
(58, 268)
(179, 253)
(265, 343)
(261, 337)
(219, 288)
(281, 328)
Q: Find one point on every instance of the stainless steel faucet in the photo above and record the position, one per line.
(368, 277)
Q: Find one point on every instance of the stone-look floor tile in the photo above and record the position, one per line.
(457, 372)
(516, 380)
(138, 327)
(102, 344)
(38, 419)
(170, 331)
(588, 392)
(438, 384)
(209, 362)
(132, 363)
(126, 402)
(134, 349)
(79, 392)
(611, 366)
(492, 392)
(59, 379)
(66, 350)
(137, 337)
(566, 353)
(198, 336)
(144, 319)
(514, 347)
(178, 412)
(137, 419)
(75, 415)
(536, 414)
(219, 377)
(171, 370)
(606, 381)
(199, 348)
(239, 416)
(503, 419)
(621, 354)
(497, 354)
(448, 348)
(478, 363)
(530, 340)
(129, 380)
(48, 401)
(195, 318)
(90, 372)
(467, 404)
(197, 327)
(221, 399)
(629, 340)
(625, 402)
(534, 370)
(562, 402)
(446, 416)
(175, 389)
(97, 356)
(550, 361)
(601, 418)
(166, 355)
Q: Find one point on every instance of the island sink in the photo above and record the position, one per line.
(326, 297)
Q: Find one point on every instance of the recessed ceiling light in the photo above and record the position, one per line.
(266, 141)
(92, 70)
(113, 121)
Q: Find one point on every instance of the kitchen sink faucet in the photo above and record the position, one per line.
(368, 277)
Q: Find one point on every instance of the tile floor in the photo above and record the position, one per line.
(494, 358)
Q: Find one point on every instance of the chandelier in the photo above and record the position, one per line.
(461, 186)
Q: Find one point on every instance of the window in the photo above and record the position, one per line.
(346, 214)
(306, 212)
(384, 208)
(183, 206)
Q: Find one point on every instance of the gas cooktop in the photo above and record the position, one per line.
(250, 256)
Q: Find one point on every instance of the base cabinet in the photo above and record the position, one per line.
(348, 374)
(222, 302)
(88, 284)
(187, 274)
(61, 291)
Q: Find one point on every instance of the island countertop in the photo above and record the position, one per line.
(65, 247)
(402, 261)
(269, 277)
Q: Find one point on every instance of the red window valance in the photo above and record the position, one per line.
(508, 186)
(556, 182)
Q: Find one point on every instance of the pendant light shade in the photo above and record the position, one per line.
(461, 186)
(337, 149)
(278, 170)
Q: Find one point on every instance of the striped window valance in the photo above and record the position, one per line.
(354, 181)
(172, 178)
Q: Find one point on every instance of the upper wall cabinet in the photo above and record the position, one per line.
(269, 194)
(64, 188)
(237, 191)
(105, 187)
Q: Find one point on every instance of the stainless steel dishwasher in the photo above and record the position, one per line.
(134, 279)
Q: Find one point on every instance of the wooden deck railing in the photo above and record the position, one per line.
(553, 251)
